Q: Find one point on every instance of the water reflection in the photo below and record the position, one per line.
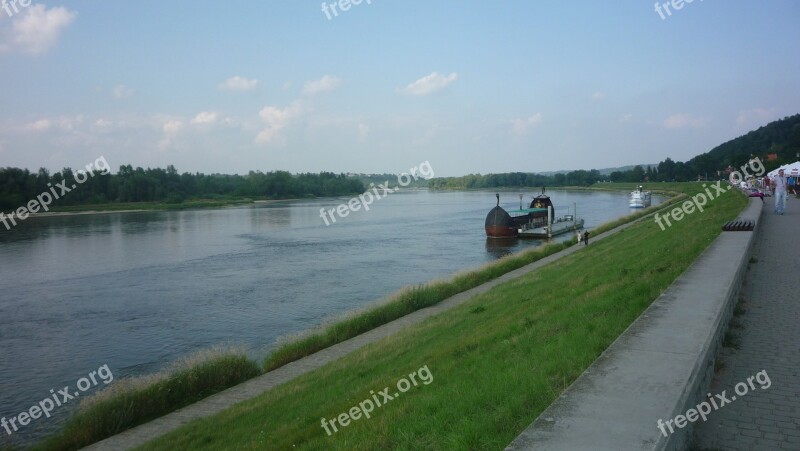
(500, 247)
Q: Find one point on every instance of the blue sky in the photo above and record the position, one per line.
(471, 87)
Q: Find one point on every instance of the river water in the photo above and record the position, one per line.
(136, 291)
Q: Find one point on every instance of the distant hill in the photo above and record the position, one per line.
(608, 171)
(775, 143)
(605, 171)
(781, 137)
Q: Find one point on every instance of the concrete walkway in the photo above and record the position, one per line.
(768, 339)
(658, 369)
(254, 387)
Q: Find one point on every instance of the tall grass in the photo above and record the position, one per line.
(401, 303)
(497, 361)
(409, 300)
(130, 402)
(134, 401)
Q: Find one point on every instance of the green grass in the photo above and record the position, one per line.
(405, 301)
(497, 361)
(639, 214)
(133, 403)
(129, 403)
(412, 299)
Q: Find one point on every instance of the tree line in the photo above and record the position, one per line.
(18, 186)
(780, 138)
(516, 179)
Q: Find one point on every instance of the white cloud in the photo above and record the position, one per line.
(170, 127)
(430, 84)
(363, 131)
(38, 126)
(521, 126)
(205, 117)
(103, 123)
(276, 119)
(238, 83)
(69, 124)
(122, 92)
(756, 117)
(324, 84)
(598, 96)
(36, 29)
(66, 124)
(684, 120)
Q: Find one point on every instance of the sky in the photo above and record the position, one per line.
(384, 85)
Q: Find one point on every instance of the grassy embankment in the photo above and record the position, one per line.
(131, 402)
(497, 361)
(142, 400)
(414, 298)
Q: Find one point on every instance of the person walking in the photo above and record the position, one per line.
(586, 238)
(779, 191)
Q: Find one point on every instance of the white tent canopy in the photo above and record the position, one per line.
(789, 170)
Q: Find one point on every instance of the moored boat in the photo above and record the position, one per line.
(499, 224)
(536, 221)
(640, 198)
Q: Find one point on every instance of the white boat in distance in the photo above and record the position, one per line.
(640, 198)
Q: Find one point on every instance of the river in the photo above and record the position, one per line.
(136, 291)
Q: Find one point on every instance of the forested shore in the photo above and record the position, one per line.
(130, 185)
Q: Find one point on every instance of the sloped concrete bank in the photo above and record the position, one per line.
(659, 368)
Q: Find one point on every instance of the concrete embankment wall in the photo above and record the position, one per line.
(660, 367)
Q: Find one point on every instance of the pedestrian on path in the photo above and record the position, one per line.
(586, 238)
(779, 191)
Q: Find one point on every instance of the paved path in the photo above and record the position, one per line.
(254, 387)
(657, 368)
(769, 340)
